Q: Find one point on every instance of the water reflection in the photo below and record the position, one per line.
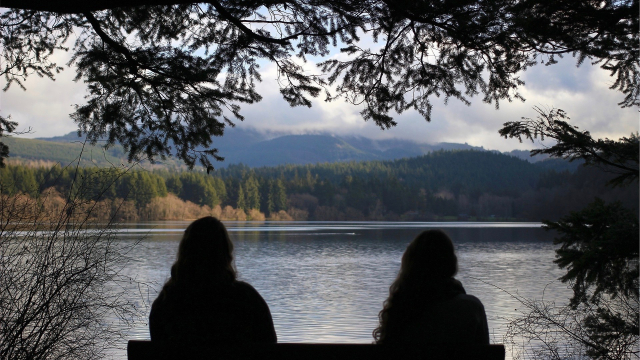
(318, 226)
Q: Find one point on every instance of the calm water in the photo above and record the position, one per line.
(326, 281)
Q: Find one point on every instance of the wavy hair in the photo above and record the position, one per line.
(205, 258)
(428, 263)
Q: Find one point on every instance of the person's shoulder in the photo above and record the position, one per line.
(245, 288)
(243, 285)
(248, 293)
(469, 301)
(159, 302)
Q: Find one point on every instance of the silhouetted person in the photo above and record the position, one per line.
(426, 305)
(203, 304)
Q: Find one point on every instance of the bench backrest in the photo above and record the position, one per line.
(145, 350)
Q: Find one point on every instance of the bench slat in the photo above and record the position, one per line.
(145, 350)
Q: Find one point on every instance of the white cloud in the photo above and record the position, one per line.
(45, 105)
(582, 92)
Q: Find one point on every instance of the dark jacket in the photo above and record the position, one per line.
(227, 315)
(459, 320)
(440, 313)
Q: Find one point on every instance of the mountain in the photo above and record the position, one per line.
(71, 137)
(65, 151)
(545, 162)
(255, 149)
(525, 155)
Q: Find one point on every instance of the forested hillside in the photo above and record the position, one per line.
(443, 185)
(455, 171)
(62, 152)
(255, 149)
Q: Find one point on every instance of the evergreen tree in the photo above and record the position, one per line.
(241, 204)
(599, 250)
(144, 188)
(270, 206)
(197, 189)
(124, 186)
(252, 193)
(266, 191)
(221, 189)
(280, 196)
(7, 184)
(210, 195)
(25, 181)
(161, 187)
(174, 185)
(426, 49)
(599, 245)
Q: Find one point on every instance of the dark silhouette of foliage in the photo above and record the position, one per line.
(6, 127)
(599, 249)
(165, 76)
(619, 157)
(599, 245)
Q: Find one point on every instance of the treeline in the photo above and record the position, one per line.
(459, 171)
(438, 186)
(151, 195)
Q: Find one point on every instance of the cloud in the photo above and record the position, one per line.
(582, 92)
(45, 105)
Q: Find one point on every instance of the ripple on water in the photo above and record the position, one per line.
(326, 282)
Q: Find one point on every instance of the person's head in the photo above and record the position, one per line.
(205, 254)
(430, 256)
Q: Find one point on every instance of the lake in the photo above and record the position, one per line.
(326, 281)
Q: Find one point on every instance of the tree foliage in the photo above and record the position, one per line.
(599, 245)
(619, 157)
(166, 76)
(439, 184)
(599, 249)
(6, 127)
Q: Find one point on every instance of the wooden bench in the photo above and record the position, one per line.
(145, 350)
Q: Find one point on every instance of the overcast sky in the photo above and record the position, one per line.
(581, 91)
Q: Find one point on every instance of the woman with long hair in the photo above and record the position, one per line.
(426, 304)
(203, 303)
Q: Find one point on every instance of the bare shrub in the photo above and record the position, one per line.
(545, 330)
(353, 214)
(305, 201)
(255, 215)
(60, 281)
(280, 216)
(172, 207)
(216, 211)
(229, 213)
(125, 210)
(298, 214)
(328, 213)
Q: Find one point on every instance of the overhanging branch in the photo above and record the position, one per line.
(235, 21)
(83, 6)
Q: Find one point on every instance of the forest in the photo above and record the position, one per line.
(442, 185)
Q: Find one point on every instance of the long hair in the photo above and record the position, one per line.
(428, 263)
(205, 258)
